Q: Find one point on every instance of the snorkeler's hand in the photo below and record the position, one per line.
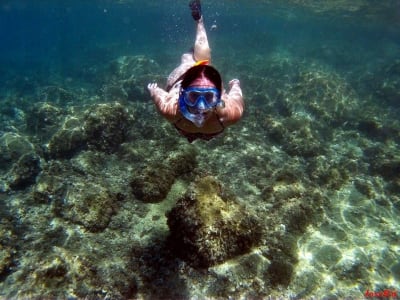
(234, 81)
(152, 88)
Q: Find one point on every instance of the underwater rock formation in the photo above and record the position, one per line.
(102, 127)
(106, 126)
(12, 147)
(57, 95)
(383, 161)
(24, 171)
(68, 140)
(294, 205)
(153, 184)
(7, 241)
(207, 226)
(19, 162)
(90, 204)
(77, 197)
(127, 77)
(388, 84)
(296, 135)
(43, 119)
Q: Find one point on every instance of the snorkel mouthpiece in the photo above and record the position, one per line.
(197, 118)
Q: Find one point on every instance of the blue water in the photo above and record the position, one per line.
(292, 141)
(70, 35)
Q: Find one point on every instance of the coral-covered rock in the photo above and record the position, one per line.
(52, 183)
(19, 161)
(207, 227)
(383, 161)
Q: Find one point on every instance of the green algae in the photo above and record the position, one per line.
(207, 229)
(304, 181)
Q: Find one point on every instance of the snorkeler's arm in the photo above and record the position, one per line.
(234, 105)
(165, 102)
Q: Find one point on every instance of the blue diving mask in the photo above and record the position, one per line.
(195, 102)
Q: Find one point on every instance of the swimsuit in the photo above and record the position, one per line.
(191, 136)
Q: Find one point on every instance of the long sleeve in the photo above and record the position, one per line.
(166, 103)
(234, 105)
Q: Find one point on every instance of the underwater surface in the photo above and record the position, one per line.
(100, 197)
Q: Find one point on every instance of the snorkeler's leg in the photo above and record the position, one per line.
(202, 49)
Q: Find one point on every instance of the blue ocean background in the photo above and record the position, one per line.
(66, 36)
(316, 155)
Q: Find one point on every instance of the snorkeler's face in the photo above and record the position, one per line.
(197, 103)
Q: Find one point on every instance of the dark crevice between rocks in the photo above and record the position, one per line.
(158, 271)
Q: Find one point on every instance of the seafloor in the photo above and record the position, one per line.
(97, 190)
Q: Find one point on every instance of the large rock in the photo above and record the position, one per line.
(102, 127)
(154, 183)
(208, 226)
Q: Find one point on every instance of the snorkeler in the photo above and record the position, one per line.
(194, 100)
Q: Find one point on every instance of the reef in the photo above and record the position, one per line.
(387, 83)
(43, 119)
(126, 78)
(101, 198)
(154, 182)
(19, 162)
(208, 227)
(102, 127)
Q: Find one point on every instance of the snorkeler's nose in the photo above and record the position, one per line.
(201, 105)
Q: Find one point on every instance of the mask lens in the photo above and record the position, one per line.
(210, 97)
(192, 97)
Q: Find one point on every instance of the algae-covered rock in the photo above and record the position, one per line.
(207, 227)
(7, 240)
(43, 119)
(128, 76)
(296, 135)
(90, 204)
(69, 139)
(19, 160)
(153, 184)
(77, 196)
(383, 161)
(57, 274)
(12, 147)
(388, 83)
(102, 127)
(106, 126)
(24, 171)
